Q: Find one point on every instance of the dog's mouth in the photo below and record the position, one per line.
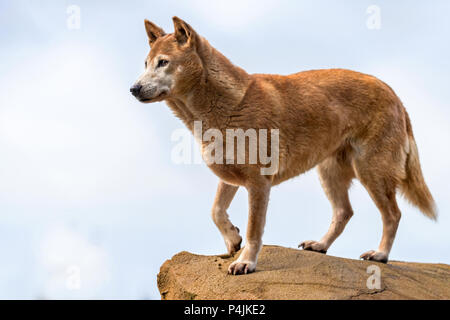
(154, 99)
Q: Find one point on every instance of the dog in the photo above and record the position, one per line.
(347, 124)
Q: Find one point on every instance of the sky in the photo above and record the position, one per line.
(91, 201)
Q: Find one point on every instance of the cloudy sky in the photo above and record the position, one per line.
(91, 203)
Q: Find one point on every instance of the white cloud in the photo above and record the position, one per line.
(232, 14)
(73, 267)
(70, 130)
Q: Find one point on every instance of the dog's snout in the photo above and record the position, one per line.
(135, 89)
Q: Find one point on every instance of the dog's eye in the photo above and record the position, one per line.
(145, 64)
(162, 63)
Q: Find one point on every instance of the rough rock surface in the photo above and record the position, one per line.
(284, 273)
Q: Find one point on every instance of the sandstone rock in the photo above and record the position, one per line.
(284, 273)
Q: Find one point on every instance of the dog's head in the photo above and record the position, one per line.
(172, 66)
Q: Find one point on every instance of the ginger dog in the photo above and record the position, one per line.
(348, 124)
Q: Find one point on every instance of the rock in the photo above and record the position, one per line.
(284, 273)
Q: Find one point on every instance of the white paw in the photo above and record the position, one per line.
(375, 256)
(313, 246)
(241, 267)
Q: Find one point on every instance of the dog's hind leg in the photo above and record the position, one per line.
(224, 196)
(381, 185)
(336, 174)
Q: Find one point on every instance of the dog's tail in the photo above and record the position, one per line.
(414, 187)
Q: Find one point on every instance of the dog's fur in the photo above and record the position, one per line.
(348, 124)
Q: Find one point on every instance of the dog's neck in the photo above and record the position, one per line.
(215, 95)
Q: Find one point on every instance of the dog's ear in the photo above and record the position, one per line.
(184, 33)
(153, 31)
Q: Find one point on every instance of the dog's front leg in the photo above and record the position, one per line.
(224, 196)
(258, 195)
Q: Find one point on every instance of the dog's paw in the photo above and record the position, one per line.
(232, 248)
(233, 242)
(241, 267)
(312, 245)
(375, 256)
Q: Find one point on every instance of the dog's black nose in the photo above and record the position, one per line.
(135, 89)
